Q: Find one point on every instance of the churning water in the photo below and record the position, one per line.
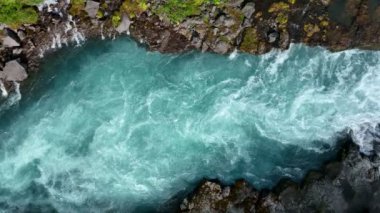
(110, 126)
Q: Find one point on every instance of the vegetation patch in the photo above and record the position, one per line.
(116, 19)
(279, 7)
(14, 13)
(250, 42)
(134, 8)
(178, 10)
(77, 6)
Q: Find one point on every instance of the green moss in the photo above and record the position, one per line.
(178, 10)
(134, 8)
(116, 19)
(17, 12)
(77, 6)
(99, 14)
(278, 7)
(250, 42)
(311, 29)
(282, 20)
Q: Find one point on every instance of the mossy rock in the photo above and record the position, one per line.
(250, 43)
(311, 29)
(134, 8)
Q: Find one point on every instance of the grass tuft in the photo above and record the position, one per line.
(14, 13)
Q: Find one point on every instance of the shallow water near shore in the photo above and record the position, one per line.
(110, 126)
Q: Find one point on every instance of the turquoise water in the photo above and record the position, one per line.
(110, 126)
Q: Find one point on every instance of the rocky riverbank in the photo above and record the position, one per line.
(349, 183)
(220, 26)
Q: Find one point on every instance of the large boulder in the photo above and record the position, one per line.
(249, 9)
(13, 71)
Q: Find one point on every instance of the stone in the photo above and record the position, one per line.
(13, 71)
(124, 25)
(16, 51)
(92, 8)
(273, 36)
(221, 48)
(249, 9)
(21, 34)
(10, 42)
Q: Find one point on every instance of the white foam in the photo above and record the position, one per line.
(233, 55)
(4, 92)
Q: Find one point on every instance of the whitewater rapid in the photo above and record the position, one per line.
(110, 126)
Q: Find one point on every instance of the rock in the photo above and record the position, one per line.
(221, 48)
(273, 36)
(249, 9)
(10, 42)
(124, 25)
(235, 3)
(13, 71)
(16, 51)
(92, 8)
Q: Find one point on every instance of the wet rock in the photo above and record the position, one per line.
(92, 8)
(13, 71)
(273, 36)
